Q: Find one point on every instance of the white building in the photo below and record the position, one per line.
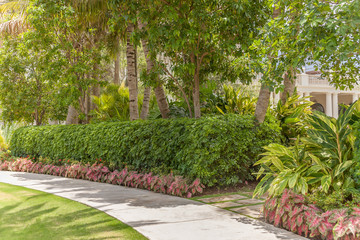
(324, 94)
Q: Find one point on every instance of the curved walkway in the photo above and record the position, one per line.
(156, 216)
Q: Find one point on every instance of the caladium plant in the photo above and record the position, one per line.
(168, 184)
(292, 212)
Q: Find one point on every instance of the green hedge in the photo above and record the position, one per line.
(219, 150)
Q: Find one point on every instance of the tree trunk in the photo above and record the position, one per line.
(162, 101)
(264, 95)
(262, 103)
(146, 102)
(197, 110)
(87, 106)
(131, 74)
(117, 70)
(289, 86)
(159, 90)
(72, 116)
(95, 92)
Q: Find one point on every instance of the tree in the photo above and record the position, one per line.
(200, 37)
(132, 73)
(153, 75)
(320, 33)
(262, 104)
(31, 87)
(79, 61)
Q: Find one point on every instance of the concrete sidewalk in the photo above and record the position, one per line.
(156, 216)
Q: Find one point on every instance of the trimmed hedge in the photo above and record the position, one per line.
(219, 150)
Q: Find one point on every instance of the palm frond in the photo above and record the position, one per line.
(14, 8)
(13, 26)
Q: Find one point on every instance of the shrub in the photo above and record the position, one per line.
(292, 116)
(169, 184)
(219, 150)
(324, 162)
(292, 212)
(343, 198)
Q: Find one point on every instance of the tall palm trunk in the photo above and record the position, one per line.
(95, 91)
(159, 90)
(72, 116)
(131, 75)
(146, 102)
(117, 69)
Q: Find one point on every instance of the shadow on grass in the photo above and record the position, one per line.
(26, 220)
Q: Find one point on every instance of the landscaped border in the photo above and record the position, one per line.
(168, 184)
(290, 211)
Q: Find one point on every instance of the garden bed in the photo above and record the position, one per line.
(293, 212)
(168, 184)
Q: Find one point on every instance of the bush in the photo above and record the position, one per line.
(169, 184)
(343, 198)
(323, 162)
(293, 212)
(219, 150)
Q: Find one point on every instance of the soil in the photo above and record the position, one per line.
(241, 187)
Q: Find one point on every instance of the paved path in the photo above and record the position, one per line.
(240, 202)
(156, 216)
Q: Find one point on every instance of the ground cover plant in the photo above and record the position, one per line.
(294, 213)
(30, 214)
(169, 184)
(313, 186)
(218, 150)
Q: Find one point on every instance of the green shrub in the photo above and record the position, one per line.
(292, 116)
(323, 162)
(219, 150)
(342, 198)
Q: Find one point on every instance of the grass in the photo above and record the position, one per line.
(29, 214)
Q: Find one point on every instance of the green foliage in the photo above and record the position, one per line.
(203, 38)
(8, 129)
(113, 103)
(237, 101)
(219, 150)
(292, 116)
(322, 163)
(30, 87)
(308, 32)
(3, 145)
(51, 66)
(342, 198)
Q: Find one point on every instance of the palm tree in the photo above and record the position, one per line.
(14, 22)
(97, 10)
(101, 5)
(13, 16)
(159, 90)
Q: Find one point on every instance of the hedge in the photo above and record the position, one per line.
(219, 150)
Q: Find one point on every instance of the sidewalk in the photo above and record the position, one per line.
(156, 216)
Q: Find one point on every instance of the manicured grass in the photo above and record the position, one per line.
(30, 214)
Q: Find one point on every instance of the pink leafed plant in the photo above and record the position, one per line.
(290, 211)
(168, 184)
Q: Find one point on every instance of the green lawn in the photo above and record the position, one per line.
(30, 214)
